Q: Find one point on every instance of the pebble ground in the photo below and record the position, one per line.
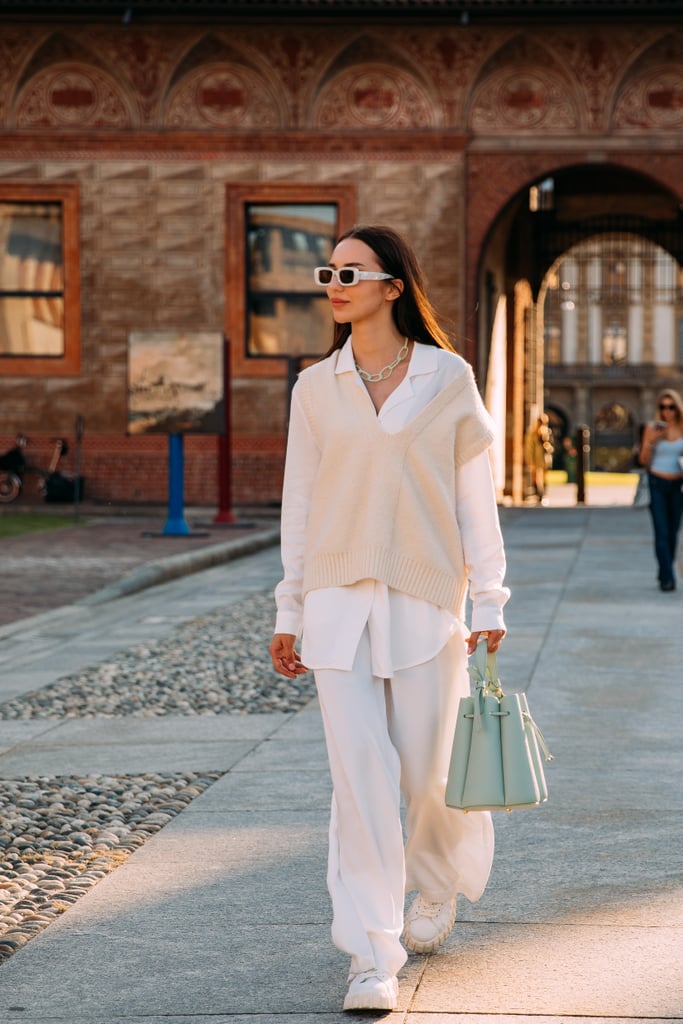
(60, 835)
(212, 665)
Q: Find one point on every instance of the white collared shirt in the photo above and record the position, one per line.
(404, 630)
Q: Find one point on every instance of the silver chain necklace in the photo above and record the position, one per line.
(386, 372)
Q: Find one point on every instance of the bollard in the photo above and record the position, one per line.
(78, 482)
(582, 463)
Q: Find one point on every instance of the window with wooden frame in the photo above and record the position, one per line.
(276, 235)
(40, 309)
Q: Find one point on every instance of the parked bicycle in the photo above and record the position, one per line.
(14, 466)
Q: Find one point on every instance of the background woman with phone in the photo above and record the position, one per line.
(662, 453)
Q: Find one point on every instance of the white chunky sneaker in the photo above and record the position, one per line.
(427, 924)
(372, 990)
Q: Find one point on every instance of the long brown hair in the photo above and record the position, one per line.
(412, 311)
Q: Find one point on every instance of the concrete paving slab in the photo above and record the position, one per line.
(233, 898)
(305, 725)
(162, 729)
(555, 970)
(314, 1017)
(270, 835)
(249, 1018)
(122, 759)
(285, 756)
(280, 974)
(502, 1018)
(14, 733)
(22, 682)
(178, 968)
(266, 791)
(620, 791)
(581, 863)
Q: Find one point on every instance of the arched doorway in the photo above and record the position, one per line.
(626, 233)
(612, 315)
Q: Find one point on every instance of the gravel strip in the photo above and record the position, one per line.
(59, 836)
(213, 665)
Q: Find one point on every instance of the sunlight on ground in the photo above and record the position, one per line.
(602, 489)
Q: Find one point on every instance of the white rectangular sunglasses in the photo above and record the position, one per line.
(347, 276)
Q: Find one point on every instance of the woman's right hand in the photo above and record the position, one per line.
(286, 660)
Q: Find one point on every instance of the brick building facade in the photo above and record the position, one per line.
(158, 136)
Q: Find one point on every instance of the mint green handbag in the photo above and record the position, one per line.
(496, 762)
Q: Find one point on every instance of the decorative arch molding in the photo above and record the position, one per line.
(372, 84)
(58, 48)
(72, 94)
(450, 59)
(522, 88)
(210, 49)
(368, 49)
(596, 64)
(218, 85)
(146, 60)
(650, 96)
(374, 96)
(16, 46)
(220, 95)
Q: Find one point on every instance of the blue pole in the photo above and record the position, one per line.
(175, 525)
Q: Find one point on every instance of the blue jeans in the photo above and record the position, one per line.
(666, 506)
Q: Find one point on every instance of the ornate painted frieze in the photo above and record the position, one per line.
(374, 97)
(595, 62)
(523, 89)
(651, 96)
(652, 101)
(496, 81)
(220, 96)
(72, 95)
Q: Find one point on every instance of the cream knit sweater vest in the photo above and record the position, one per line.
(383, 505)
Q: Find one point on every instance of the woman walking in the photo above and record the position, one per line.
(388, 517)
(662, 453)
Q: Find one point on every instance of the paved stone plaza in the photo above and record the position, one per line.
(165, 804)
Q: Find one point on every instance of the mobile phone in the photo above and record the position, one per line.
(660, 424)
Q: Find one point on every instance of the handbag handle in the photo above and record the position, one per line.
(484, 669)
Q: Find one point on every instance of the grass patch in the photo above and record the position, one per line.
(12, 524)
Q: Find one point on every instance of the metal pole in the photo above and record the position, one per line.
(80, 426)
(175, 525)
(225, 513)
(583, 462)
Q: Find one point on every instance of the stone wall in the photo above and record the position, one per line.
(152, 256)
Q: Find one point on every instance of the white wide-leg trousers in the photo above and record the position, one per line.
(384, 738)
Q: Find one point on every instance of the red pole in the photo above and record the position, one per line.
(225, 513)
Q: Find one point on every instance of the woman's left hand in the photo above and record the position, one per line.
(495, 638)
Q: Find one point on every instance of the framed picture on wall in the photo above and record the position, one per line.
(175, 382)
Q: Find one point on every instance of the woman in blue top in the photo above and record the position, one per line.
(662, 453)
